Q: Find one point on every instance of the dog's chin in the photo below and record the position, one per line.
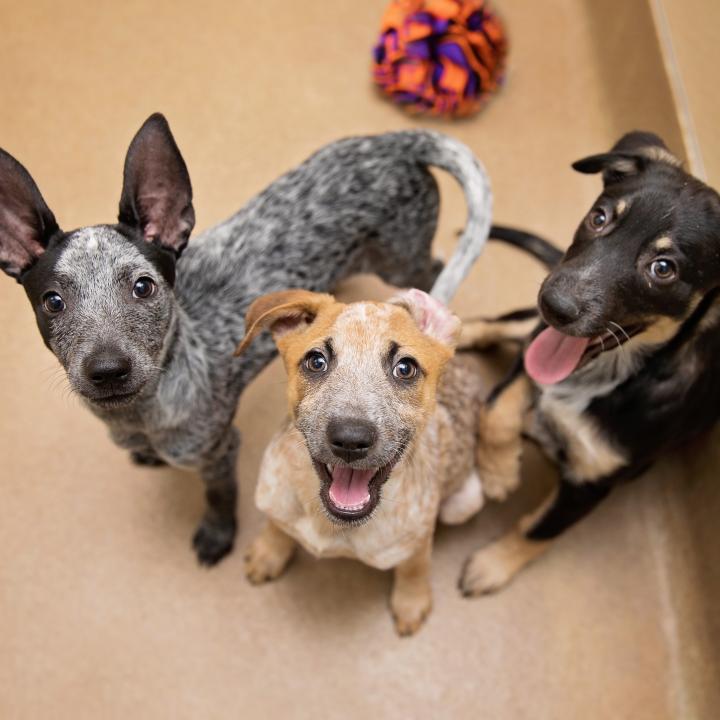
(113, 398)
(361, 510)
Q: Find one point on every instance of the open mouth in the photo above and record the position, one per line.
(351, 495)
(553, 356)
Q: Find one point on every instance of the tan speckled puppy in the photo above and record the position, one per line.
(381, 440)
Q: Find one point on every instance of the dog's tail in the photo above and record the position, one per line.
(539, 248)
(448, 154)
(444, 152)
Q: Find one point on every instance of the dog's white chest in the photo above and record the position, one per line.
(588, 454)
(288, 492)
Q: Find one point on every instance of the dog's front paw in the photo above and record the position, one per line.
(410, 608)
(486, 571)
(148, 459)
(265, 561)
(499, 469)
(491, 568)
(213, 541)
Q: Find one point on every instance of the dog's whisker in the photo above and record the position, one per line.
(617, 340)
(621, 328)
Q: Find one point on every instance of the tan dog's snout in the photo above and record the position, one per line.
(351, 439)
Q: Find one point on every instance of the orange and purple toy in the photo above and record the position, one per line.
(440, 57)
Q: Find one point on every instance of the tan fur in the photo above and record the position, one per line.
(269, 554)
(438, 465)
(301, 306)
(500, 438)
(482, 334)
(494, 566)
(663, 243)
(411, 598)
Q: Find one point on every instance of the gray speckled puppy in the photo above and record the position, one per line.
(151, 351)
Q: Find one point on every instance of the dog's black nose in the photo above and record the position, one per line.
(350, 439)
(558, 306)
(107, 366)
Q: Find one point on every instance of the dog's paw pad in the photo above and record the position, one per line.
(410, 612)
(262, 563)
(213, 542)
(486, 571)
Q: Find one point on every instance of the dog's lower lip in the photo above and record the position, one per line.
(115, 399)
(350, 513)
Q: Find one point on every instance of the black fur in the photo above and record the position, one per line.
(655, 393)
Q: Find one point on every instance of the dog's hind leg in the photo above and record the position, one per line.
(402, 251)
(483, 333)
(492, 567)
(411, 598)
(215, 537)
(269, 554)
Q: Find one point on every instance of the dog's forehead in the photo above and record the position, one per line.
(96, 252)
(371, 324)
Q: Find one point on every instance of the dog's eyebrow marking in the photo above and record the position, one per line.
(392, 351)
(663, 243)
(621, 207)
(329, 349)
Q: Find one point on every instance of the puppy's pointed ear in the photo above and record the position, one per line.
(157, 196)
(629, 156)
(613, 165)
(282, 313)
(26, 222)
(431, 316)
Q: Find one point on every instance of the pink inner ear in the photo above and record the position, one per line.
(431, 316)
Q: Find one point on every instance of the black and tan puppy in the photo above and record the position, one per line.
(625, 365)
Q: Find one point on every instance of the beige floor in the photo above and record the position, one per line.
(103, 610)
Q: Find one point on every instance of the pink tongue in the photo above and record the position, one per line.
(349, 488)
(552, 356)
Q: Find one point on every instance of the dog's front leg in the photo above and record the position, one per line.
(411, 598)
(501, 423)
(216, 534)
(269, 554)
(495, 565)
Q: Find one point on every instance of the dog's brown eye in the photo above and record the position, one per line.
(405, 369)
(144, 288)
(53, 303)
(663, 270)
(316, 362)
(597, 218)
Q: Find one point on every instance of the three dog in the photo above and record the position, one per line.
(624, 366)
(145, 327)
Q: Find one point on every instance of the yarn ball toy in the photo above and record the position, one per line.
(440, 57)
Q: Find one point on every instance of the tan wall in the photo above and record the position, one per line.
(689, 31)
